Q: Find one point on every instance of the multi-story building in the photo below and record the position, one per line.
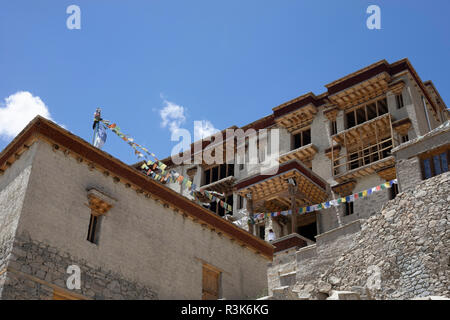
(332, 144)
(67, 205)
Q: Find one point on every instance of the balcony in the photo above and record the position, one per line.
(271, 193)
(304, 154)
(367, 150)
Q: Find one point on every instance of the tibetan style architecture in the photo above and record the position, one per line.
(331, 145)
(66, 205)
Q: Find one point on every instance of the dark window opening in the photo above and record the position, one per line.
(308, 231)
(94, 225)
(374, 152)
(360, 115)
(301, 139)
(371, 111)
(366, 158)
(297, 141)
(333, 127)
(223, 170)
(213, 206)
(241, 202)
(382, 106)
(386, 147)
(262, 232)
(221, 210)
(207, 176)
(229, 200)
(354, 163)
(348, 208)
(230, 170)
(215, 174)
(404, 138)
(399, 100)
(351, 121)
(306, 137)
(393, 191)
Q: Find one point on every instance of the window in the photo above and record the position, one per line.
(240, 202)
(94, 226)
(241, 166)
(393, 191)
(348, 208)
(215, 174)
(351, 121)
(218, 172)
(262, 231)
(382, 106)
(404, 138)
(301, 139)
(399, 100)
(210, 283)
(354, 162)
(371, 111)
(333, 127)
(435, 164)
(365, 113)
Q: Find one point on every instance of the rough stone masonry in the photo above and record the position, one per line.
(400, 253)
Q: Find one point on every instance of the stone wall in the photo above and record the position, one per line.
(43, 262)
(408, 242)
(140, 240)
(13, 184)
(402, 253)
(409, 173)
(296, 268)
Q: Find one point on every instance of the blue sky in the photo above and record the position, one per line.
(226, 62)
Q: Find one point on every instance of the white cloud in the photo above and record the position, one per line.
(172, 116)
(19, 109)
(203, 129)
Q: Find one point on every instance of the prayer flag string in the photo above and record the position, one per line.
(324, 205)
(150, 167)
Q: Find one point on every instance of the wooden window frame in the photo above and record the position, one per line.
(404, 138)
(94, 228)
(300, 132)
(354, 109)
(429, 156)
(399, 101)
(229, 171)
(333, 127)
(349, 208)
(211, 269)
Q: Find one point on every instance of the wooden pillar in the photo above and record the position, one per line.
(392, 132)
(251, 226)
(292, 193)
